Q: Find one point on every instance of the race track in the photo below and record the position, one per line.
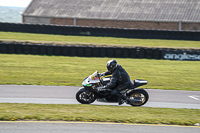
(77, 127)
(66, 95)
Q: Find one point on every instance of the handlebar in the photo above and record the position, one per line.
(100, 78)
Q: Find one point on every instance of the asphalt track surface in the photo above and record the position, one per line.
(65, 127)
(66, 95)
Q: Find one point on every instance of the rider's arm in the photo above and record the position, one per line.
(106, 73)
(113, 80)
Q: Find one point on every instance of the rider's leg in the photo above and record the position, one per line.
(117, 93)
(122, 98)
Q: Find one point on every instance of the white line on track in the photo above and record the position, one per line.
(194, 97)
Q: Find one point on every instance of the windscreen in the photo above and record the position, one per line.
(95, 75)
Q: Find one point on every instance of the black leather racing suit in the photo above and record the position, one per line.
(120, 80)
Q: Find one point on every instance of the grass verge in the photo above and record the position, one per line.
(93, 113)
(70, 71)
(101, 41)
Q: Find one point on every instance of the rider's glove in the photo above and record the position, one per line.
(102, 74)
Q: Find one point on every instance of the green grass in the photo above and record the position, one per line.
(70, 71)
(103, 41)
(93, 113)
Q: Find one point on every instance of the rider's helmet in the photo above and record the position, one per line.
(111, 65)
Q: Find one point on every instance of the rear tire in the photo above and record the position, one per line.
(85, 97)
(140, 95)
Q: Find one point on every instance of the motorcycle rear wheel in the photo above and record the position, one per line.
(139, 95)
(85, 97)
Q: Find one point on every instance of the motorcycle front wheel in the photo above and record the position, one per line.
(85, 97)
(140, 97)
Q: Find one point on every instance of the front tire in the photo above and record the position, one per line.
(139, 95)
(85, 97)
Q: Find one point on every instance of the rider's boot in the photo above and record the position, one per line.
(121, 101)
(124, 99)
(128, 101)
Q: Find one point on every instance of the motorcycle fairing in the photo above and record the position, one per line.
(87, 82)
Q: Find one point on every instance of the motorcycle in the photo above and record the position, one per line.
(93, 89)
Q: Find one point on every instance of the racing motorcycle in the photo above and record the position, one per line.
(93, 89)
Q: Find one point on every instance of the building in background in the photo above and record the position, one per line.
(138, 14)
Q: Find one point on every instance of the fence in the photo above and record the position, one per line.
(97, 31)
(96, 51)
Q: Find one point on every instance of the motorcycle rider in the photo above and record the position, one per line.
(120, 80)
